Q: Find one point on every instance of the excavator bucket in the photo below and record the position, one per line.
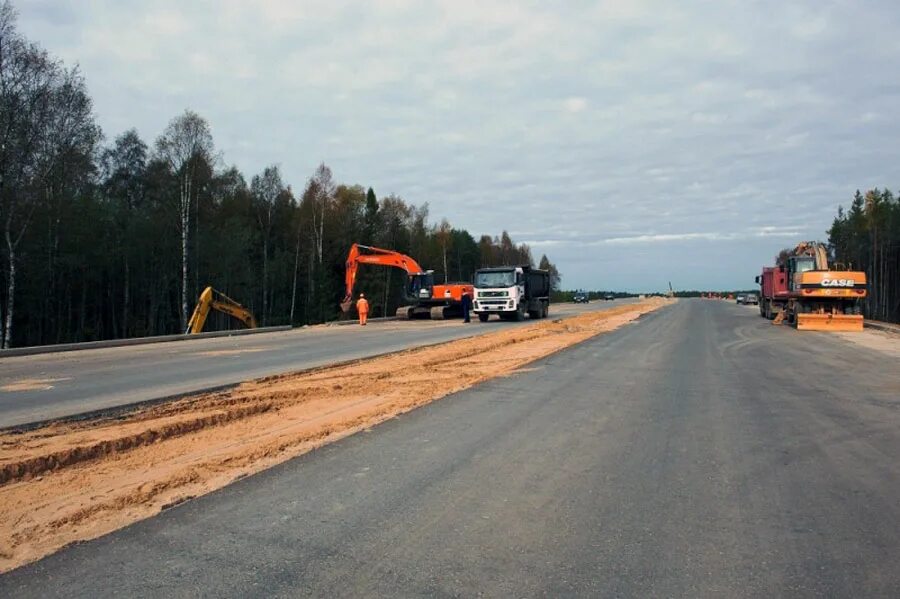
(829, 322)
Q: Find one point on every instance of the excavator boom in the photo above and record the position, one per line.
(210, 299)
(377, 256)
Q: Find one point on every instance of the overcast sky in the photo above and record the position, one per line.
(633, 142)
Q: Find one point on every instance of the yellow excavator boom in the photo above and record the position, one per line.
(210, 299)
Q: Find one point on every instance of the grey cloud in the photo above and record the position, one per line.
(633, 141)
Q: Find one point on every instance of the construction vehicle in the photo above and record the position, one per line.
(511, 292)
(808, 293)
(211, 299)
(773, 296)
(425, 299)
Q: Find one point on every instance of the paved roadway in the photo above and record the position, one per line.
(35, 388)
(700, 452)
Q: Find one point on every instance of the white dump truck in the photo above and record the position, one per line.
(511, 292)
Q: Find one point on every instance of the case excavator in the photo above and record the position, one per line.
(425, 298)
(810, 294)
(211, 299)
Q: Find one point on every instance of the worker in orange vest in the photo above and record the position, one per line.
(362, 308)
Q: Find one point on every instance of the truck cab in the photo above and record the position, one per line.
(511, 292)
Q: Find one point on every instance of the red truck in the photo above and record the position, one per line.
(773, 296)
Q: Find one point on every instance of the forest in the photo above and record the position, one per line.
(867, 237)
(113, 238)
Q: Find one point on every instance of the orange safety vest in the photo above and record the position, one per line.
(362, 306)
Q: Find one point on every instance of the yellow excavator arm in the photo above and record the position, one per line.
(211, 299)
(815, 250)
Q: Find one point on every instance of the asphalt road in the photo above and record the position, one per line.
(700, 452)
(41, 387)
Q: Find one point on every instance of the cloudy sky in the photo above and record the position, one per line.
(633, 142)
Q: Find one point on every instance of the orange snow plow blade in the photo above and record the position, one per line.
(829, 322)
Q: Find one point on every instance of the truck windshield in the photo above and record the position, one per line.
(506, 278)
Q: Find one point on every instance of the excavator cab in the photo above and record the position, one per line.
(798, 265)
(421, 286)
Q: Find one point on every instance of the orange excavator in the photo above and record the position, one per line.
(425, 299)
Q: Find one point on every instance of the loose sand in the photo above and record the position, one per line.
(885, 342)
(30, 385)
(73, 481)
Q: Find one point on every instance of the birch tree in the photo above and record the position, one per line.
(183, 145)
(45, 120)
(443, 233)
(324, 189)
(266, 189)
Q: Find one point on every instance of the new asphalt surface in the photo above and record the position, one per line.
(56, 385)
(698, 452)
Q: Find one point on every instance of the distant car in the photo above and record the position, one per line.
(751, 298)
(609, 297)
(740, 298)
(580, 298)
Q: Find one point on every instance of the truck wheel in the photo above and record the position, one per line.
(519, 316)
(483, 316)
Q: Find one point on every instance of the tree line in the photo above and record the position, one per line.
(866, 237)
(117, 239)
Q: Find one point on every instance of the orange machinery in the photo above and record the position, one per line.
(811, 294)
(426, 299)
